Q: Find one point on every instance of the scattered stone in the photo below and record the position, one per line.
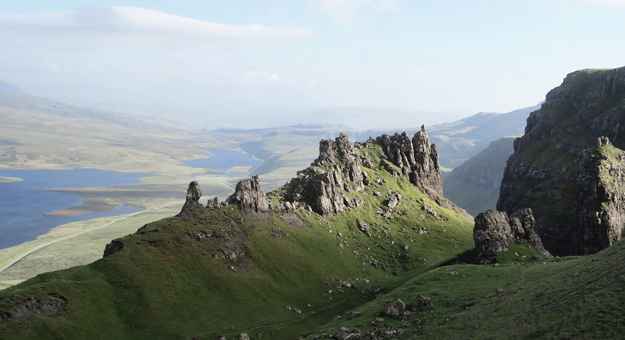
(421, 301)
(364, 228)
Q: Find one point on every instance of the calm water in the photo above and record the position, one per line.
(22, 206)
(222, 160)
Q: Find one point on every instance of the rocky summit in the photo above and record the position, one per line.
(571, 182)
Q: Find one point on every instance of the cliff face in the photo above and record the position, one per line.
(600, 199)
(549, 173)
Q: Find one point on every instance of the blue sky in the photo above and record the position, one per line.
(234, 57)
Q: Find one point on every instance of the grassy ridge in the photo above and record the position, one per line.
(166, 273)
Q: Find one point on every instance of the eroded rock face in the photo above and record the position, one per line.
(417, 158)
(600, 198)
(494, 231)
(327, 185)
(546, 171)
(337, 171)
(249, 196)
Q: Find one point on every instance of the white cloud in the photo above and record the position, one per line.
(134, 26)
(344, 11)
(260, 78)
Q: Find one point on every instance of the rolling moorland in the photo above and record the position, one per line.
(328, 254)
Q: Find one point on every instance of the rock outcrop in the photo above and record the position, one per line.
(249, 196)
(494, 231)
(325, 185)
(417, 159)
(192, 203)
(113, 248)
(329, 185)
(334, 180)
(600, 198)
(546, 169)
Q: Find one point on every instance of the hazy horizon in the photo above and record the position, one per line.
(258, 63)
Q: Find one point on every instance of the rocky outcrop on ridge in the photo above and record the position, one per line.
(325, 185)
(417, 159)
(332, 183)
(548, 167)
(192, 203)
(494, 231)
(249, 196)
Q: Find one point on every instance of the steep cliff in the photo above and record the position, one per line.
(545, 171)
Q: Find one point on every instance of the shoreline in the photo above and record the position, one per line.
(82, 209)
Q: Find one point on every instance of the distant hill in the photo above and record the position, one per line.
(460, 140)
(8, 87)
(474, 185)
(366, 118)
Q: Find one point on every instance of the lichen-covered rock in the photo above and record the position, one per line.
(249, 196)
(546, 171)
(494, 232)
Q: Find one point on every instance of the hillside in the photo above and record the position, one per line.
(276, 265)
(557, 170)
(474, 185)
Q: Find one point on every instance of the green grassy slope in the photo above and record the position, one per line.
(562, 298)
(170, 282)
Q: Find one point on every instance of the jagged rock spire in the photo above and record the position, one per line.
(249, 196)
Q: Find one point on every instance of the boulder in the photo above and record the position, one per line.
(494, 232)
(420, 301)
(395, 308)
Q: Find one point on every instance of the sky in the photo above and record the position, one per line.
(260, 60)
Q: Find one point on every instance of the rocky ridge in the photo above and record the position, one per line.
(330, 185)
(548, 168)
